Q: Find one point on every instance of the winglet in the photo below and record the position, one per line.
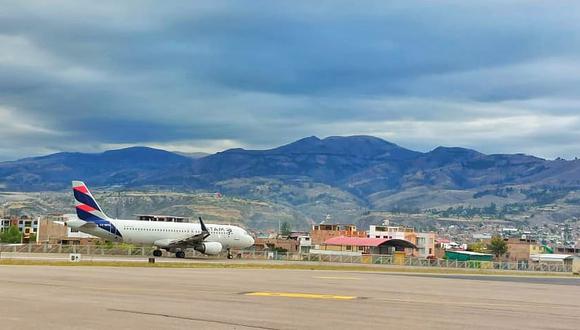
(203, 228)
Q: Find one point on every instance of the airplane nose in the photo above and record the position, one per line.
(250, 240)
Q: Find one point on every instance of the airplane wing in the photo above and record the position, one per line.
(186, 241)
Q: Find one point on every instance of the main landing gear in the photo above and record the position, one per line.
(180, 254)
(230, 255)
(157, 253)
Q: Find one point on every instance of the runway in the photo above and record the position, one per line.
(51, 297)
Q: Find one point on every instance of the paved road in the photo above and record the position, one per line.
(34, 297)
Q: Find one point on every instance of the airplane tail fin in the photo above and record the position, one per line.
(204, 230)
(87, 207)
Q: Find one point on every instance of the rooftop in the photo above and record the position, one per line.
(472, 253)
(550, 257)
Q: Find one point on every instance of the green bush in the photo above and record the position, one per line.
(12, 235)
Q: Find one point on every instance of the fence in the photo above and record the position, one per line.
(129, 250)
(409, 261)
(82, 249)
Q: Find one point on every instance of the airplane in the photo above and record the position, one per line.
(174, 237)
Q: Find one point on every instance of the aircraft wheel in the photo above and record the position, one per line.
(180, 254)
(157, 253)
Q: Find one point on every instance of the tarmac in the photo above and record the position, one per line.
(85, 297)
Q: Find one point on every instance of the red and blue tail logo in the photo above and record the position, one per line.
(87, 207)
(89, 210)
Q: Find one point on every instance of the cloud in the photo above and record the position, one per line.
(517, 131)
(498, 76)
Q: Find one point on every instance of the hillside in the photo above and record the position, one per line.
(227, 210)
(341, 176)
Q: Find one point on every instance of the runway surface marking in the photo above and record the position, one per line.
(299, 295)
(336, 278)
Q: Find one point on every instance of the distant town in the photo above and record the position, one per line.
(450, 239)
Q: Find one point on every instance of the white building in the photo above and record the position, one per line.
(4, 224)
(304, 243)
(552, 258)
(425, 244)
(388, 232)
(25, 225)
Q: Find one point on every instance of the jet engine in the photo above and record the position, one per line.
(209, 248)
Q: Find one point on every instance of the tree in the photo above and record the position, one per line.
(12, 235)
(285, 228)
(477, 247)
(498, 246)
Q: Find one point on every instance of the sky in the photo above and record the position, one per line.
(204, 76)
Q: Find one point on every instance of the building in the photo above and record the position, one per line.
(4, 224)
(52, 230)
(49, 229)
(520, 249)
(425, 245)
(303, 239)
(363, 245)
(568, 250)
(445, 244)
(425, 242)
(26, 225)
(563, 259)
(321, 233)
(509, 232)
(296, 242)
(442, 245)
(467, 256)
(279, 243)
(391, 232)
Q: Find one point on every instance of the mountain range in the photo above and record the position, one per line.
(336, 175)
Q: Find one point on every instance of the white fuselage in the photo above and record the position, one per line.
(150, 232)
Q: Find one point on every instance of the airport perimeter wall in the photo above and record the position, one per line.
(408, 261)
(310, 257)
(81, 249)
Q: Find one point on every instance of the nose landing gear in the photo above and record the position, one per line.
(230, 255)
